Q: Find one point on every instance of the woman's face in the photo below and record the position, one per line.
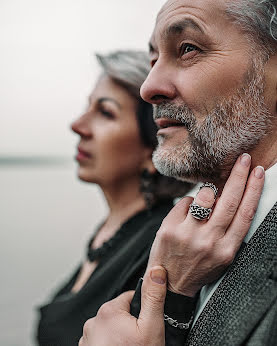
(110, 148)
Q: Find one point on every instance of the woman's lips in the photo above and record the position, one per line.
(82, 155)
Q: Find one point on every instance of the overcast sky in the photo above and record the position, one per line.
(47, 68)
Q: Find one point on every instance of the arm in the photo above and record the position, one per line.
(114, 324)
(193, 253)
(176, 306)
(196, 253)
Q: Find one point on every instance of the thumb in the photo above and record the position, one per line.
(153, 294)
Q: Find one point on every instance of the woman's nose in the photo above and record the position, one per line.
(81, 126)
(159, 85)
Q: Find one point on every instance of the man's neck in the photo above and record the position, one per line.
(265, 155)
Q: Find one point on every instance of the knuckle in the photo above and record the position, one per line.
(228, 259)
(154, 299)
(231, 205)
(105, 311)
(184, 202)
(254, 189)
(165, 235)
(206, 247)
(240, 175)
(87, 326)
(226, 256)
(247, 213)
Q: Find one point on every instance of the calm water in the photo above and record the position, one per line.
(47, 216)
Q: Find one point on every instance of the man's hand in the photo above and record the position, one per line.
(195, 253)
(114, 326)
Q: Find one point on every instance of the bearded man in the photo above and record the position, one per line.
(213, 84)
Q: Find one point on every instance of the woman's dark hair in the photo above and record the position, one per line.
(130, 69)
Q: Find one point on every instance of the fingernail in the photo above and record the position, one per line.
(158, 275)
(259, 172)
(245, 159)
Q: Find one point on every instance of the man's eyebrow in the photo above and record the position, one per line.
(179, 27)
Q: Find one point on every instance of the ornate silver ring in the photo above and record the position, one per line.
(211, 186)
(198, 212)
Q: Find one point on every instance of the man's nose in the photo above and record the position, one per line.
(81, 126)
(159, 85)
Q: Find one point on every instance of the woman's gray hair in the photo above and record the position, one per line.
(129, 68)
(259, 19)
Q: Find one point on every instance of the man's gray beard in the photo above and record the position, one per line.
(234, 126)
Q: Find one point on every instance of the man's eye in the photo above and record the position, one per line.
(187, 48)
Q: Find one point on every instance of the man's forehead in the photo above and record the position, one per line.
(176, 15)
(171, 5)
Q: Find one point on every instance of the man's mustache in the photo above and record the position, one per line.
(178, 113)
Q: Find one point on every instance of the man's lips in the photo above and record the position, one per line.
(166, 124)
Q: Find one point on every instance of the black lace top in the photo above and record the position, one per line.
(122, 261)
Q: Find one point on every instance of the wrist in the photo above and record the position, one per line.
(191, 293)
(179, 311)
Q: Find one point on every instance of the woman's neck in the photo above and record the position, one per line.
(124, 200)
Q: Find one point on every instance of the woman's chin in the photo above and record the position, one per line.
(84, 176)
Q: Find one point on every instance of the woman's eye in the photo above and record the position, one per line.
(106, 114)
(187, 48)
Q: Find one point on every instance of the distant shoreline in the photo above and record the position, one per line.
(31, 160)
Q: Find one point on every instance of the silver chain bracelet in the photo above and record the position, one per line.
(176, 324)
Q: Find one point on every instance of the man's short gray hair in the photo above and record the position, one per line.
(259, 19)
(129, 68)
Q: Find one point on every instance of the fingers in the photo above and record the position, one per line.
(87, 330)
(122, 302)
(228, 203)
(179, 212)
(204, 198)
(247, 208)
(153, 297)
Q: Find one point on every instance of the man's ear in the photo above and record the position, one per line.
(274, 63)
(271, 82)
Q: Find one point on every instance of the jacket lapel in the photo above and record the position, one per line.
(245, 294)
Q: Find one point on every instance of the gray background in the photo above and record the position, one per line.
(47, 70)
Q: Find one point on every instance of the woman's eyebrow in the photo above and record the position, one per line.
(109, 99)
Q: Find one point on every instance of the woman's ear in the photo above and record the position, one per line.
(150, 167)
(147, 162)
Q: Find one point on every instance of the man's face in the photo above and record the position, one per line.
(207, 89)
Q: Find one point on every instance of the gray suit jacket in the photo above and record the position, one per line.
(243, 309)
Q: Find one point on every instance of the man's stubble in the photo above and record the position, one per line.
(235, 125)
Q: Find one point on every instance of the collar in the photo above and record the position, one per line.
(267, 200)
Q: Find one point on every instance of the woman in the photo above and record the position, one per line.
(117, 138)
